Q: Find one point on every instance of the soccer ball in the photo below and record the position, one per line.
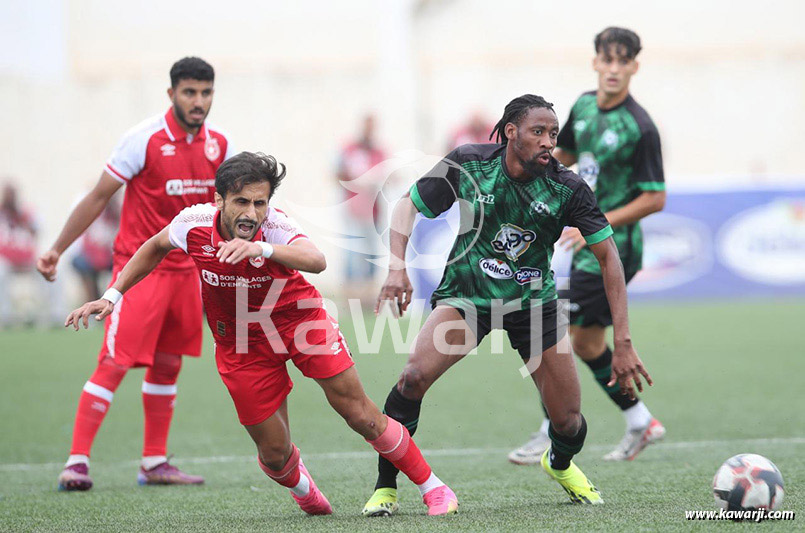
(747, 482)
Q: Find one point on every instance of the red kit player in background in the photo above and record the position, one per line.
(167, 162)
(263, 313)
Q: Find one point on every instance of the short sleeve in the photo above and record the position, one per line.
(128, 157)
(180, 226)
(279, 228)
(437, 190)
(648, 172)
(584, 214)
(566, 139)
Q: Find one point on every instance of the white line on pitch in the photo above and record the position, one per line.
(445, 452)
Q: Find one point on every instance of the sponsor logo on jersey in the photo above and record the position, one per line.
(527, 275)
(495, 268)
(485, 198)
(210, 277)
(513, 241)
(579, 125)
(589, 169)
(540, 208)
(336, 348)
(208, 250)
(257, 262)
(211, 148)
(168, 150)
(610, 139)
(174, 187)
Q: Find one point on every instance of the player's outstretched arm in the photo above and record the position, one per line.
(145, 260)
(626, 364)
(300, 255)
(397, 288)
(84, 214)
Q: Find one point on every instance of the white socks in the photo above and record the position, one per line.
(77, 459)
(303, 487)
(151, 461)
(637, 417)
(431, 483)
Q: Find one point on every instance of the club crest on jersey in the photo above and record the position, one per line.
(527, 274)
(610, 138)
(513, 241)
(540, 208)
(257, 262)
(210, 277)
(495, 268)
(211, 148)
(168, 149)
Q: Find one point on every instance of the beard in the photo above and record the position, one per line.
(532, 165)
(232, 227)
(183, 118)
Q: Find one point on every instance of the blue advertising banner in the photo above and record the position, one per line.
(749, 242)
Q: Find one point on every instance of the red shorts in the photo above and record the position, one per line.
(162, 313)
(258, 380)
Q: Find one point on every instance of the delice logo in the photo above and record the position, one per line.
(495, 268)
(210, 277)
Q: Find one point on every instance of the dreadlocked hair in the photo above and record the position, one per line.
(514, 113)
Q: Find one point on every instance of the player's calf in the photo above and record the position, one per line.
(299, 482)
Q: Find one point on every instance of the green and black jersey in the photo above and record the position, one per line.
(619, 156)
(509, 227)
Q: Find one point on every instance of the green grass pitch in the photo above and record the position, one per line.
(729, 379)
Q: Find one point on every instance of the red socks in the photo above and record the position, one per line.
(396, 445)
(94, 404)
(159, 397)
(289, 475)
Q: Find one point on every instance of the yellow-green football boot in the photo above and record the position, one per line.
(573, 480)
(382, 503)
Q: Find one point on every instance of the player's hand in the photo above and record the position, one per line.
(627, 368)
(397, 290)
(46, 264)
(572, 238)
(237, 250)
(102, 308)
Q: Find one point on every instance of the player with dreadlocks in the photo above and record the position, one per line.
(517, 199)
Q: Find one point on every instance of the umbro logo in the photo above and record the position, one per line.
(208, 250)
(168, 149)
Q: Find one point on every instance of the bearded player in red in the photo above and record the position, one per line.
(262, 313)
(167, 163)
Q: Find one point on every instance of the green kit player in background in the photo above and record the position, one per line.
(517, 198)
(617, 148)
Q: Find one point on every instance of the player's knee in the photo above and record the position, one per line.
(413, 383)
(165, 369)
(587, 348)
(274, 455)
(567, 423)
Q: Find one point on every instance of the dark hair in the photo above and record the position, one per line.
(626, 41)
(245, 168)
(515, 111)
(191, 68)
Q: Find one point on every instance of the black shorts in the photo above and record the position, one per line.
(517, 324)
(588, 299)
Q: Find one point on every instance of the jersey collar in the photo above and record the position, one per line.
(216, 235)
(175, 131)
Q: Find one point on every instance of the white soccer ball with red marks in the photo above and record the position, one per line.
(747, 482)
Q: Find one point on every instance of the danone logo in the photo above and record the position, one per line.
(495, 268)
(527, 275)
(513, 241)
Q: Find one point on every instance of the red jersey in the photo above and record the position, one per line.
(165, 170)
(195, 231)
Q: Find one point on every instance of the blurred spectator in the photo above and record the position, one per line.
(18, 233)
(93, 259)
(475, 131)
(361, 188)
